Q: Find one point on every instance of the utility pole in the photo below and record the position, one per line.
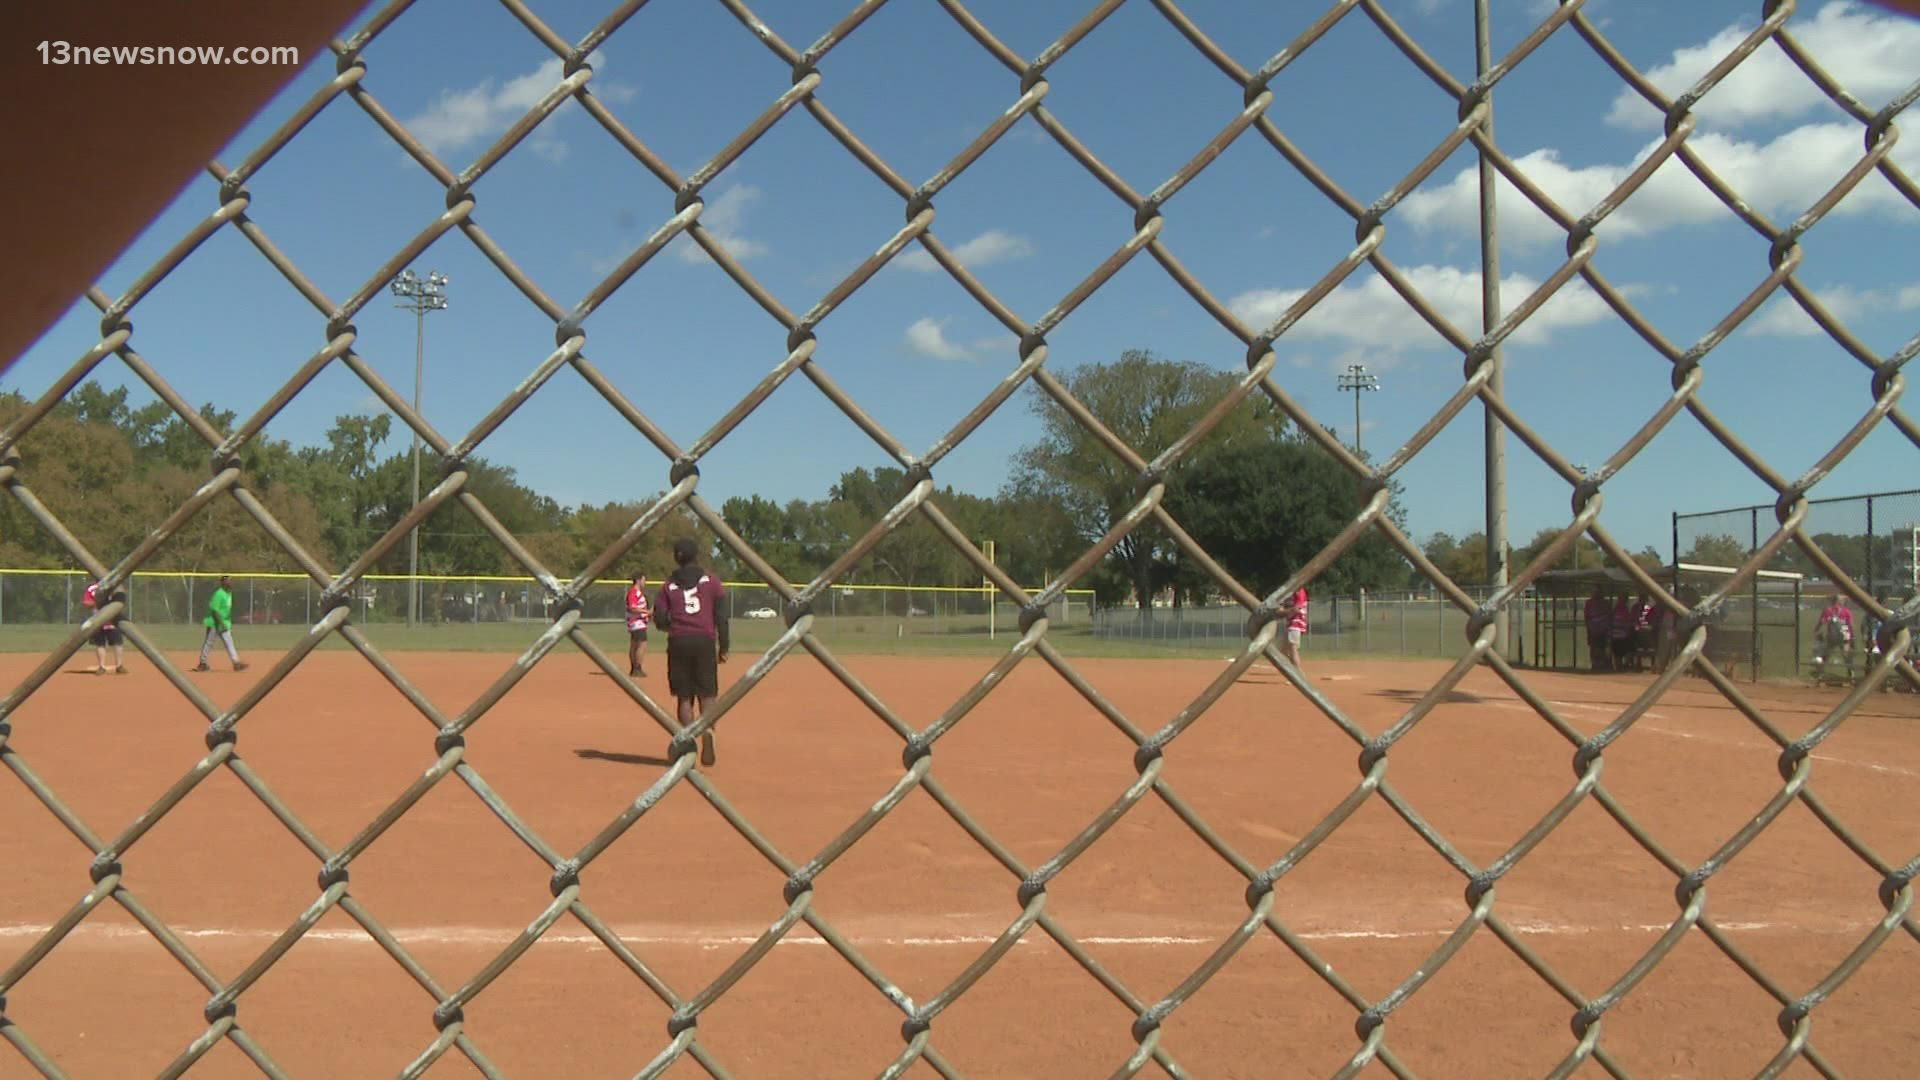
(1357, 379)
(418, 295)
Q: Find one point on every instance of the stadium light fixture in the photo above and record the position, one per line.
(1356, 378)
(418, 295)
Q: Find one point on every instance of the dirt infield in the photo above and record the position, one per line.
(802, 759)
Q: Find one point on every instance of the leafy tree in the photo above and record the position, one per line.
(1148, 403)
(1716, 549)
(1262, 509)
(1582, 554)
(1464, 561)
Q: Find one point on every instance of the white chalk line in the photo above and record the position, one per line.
(1717, 740)
(112, 933)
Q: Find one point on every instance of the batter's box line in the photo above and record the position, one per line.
(108, 934)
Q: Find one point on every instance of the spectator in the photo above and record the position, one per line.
(1598, 614)
(1620, 632)
(1645, 613)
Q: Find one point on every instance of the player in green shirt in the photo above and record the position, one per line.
(219, 621)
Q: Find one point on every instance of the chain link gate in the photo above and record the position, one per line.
(1029, 884)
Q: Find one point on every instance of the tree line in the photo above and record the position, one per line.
(1258, 495)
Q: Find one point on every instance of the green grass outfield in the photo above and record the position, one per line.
(852, 636)
(868, 635)
(1428, 634)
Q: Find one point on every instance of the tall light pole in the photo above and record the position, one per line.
(1356, 379)
(418, 295)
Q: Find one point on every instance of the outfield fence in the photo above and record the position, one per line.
(1798, 1005)
(52, 597)
(1385, 625)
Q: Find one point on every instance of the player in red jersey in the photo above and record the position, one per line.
(1295, 612)
(638, 615)
(688, 609)
(1833, 634)
(107, 634)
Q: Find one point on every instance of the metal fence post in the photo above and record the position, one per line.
(1753, 616)
(1870, 538)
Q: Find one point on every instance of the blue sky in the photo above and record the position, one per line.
(684, 342)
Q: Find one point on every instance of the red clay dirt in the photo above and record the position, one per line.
(803, 759)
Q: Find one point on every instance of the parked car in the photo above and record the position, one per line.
(257, 618)
(762, 613)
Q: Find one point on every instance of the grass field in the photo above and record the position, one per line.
(869, 635)
(1392, 630)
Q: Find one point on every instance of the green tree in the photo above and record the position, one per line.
(1582, 554)
(1262, 509)
(1716, 549)
(1464, 561)
(1148, 403)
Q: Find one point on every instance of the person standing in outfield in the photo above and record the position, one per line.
(637, 616)
(219, 622)
(1295, 613)
(106, 634)
(1834, 632)
(688, 609)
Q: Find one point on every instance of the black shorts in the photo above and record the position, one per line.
(693, 667)
(637, 635)
(107, 635)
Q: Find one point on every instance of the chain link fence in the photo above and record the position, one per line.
(1874, 540)
(1473, 621)
(1396, 624)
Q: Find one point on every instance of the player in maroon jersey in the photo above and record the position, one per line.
(688, 609)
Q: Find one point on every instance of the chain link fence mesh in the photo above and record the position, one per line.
(1790, 522)
(1873, 539)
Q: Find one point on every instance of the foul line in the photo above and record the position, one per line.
(1701, 736)
(112, 933)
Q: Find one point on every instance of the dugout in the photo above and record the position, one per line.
(1757, 628)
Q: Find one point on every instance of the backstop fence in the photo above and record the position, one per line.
(1871, 538)
(1868, 539)
(1793, 522)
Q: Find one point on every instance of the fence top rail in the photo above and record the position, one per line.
(1678, 516)
(1703, 568)
(281, 575)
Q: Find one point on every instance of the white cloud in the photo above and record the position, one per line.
(1781, 178)
(480, 113)
(992, 246)
(1372, 316)
(1784, 317)
(724, 218)
(928, 337)
(1870, 52)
